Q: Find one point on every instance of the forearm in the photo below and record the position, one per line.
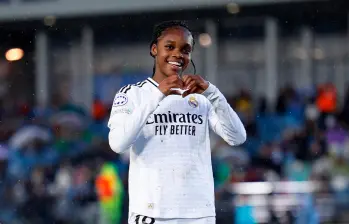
(225, 122)
(124, 128)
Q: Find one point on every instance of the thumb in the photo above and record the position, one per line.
(174, 92)
(190, 91)
(186, 93)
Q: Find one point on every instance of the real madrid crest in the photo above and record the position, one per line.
(193, 102)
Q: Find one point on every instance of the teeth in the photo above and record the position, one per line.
(174, 63)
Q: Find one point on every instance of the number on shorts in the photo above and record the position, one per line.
(145, 220)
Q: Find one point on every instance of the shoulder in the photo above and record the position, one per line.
(131, 92)
(134, 90)
(139, 86)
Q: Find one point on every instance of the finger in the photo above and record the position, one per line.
(190, 91)
(193, 90)
(187, 82)
(185, 78)
(178, 85)
(188, 76)
(191, 84)
(181, 84)
(178, 80)
(177, 77)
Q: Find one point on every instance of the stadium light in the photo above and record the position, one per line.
(319, 54)
(50, 20)
(205, 39)
(233, 8)
(14, 54)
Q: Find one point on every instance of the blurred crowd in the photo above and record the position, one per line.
(51, 157)
(303, 138)
(50, 160)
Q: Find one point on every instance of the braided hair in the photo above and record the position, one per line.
(161, 27)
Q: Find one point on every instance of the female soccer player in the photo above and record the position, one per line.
(167, 133)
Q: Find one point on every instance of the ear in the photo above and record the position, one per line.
(154, 50)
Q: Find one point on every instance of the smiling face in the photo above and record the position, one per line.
(172, 51)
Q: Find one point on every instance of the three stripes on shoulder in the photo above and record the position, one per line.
(126, 88)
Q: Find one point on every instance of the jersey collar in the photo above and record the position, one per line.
(152, 81)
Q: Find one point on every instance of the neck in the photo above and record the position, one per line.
(158, 77)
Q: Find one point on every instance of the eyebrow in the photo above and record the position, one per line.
(172, 41)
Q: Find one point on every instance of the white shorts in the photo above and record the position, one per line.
(141, 219)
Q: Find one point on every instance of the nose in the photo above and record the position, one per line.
(177, 54)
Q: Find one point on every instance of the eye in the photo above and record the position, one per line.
(169, 47)
(186, 51)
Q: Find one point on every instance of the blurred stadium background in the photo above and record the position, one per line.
(283, 65)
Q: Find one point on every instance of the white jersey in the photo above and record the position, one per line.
(170, 174)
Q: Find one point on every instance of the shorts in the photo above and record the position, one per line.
(141, 219)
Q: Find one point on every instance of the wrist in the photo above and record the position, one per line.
(209, 90)
(205, 85)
